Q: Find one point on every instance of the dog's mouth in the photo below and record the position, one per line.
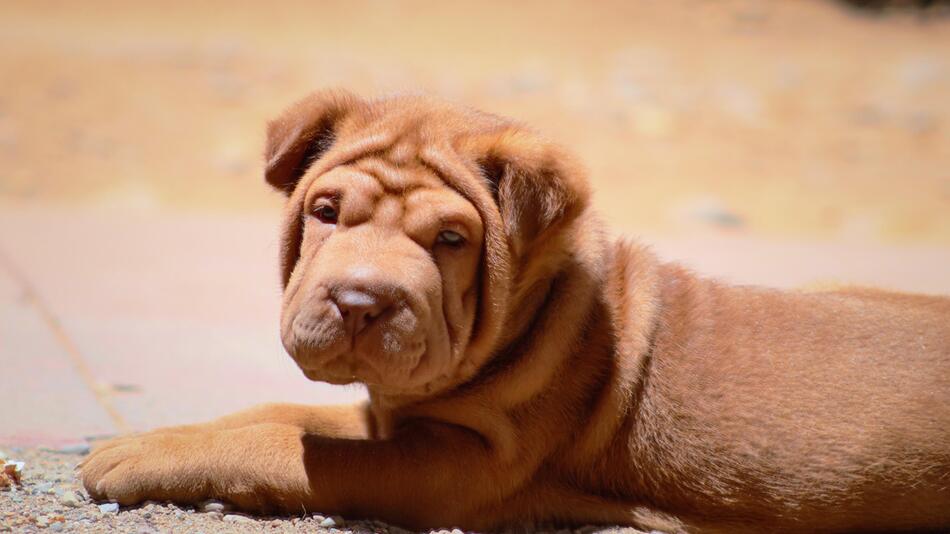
(384, 370)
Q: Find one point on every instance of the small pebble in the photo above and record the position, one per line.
(13, 471)
(56, 527)
(212, 506)
(109, 508)
(328, 522)
(457, 531)
(42, 521)
(235, 518)
(73, 448)
(70, 499)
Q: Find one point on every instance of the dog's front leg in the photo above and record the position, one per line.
(426, 475)
(255, 467)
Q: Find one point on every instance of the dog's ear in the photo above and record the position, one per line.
(536, 184)
(302, 134)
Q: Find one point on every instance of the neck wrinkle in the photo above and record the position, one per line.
(632, 302)
(556, 331)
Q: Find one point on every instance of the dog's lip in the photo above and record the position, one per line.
(322, 375)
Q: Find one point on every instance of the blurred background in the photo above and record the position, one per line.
(796, 144)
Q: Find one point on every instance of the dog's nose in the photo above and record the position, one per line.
(360, 307)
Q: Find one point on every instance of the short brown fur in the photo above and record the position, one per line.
(540, 371)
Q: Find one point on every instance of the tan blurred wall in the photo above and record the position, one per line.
(764, 118)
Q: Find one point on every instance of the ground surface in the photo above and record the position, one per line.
(794, 144)
(50, 499)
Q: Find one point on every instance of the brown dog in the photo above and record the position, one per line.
(524, 367)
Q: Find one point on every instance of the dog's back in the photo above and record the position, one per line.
(804, 411)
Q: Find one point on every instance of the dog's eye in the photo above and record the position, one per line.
(326, 214)
(448, 237)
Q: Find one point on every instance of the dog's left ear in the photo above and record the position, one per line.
(302, 134)
(536, 184)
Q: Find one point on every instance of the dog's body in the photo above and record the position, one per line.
(525, 367)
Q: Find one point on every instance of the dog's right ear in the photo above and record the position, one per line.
(302, 134)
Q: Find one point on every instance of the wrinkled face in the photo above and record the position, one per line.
(385, 290)
(414, 232)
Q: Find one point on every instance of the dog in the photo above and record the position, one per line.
(526, 367)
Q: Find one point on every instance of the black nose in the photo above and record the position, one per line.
(360, 307)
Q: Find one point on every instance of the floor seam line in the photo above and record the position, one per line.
(65, 341)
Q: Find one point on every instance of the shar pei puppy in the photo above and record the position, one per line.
(523, 366)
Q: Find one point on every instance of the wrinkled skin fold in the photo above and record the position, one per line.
(525, 367)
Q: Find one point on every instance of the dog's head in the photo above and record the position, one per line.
(413, 231)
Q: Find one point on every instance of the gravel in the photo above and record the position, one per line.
(51, 499)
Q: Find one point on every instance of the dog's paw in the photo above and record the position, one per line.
(155, 466)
